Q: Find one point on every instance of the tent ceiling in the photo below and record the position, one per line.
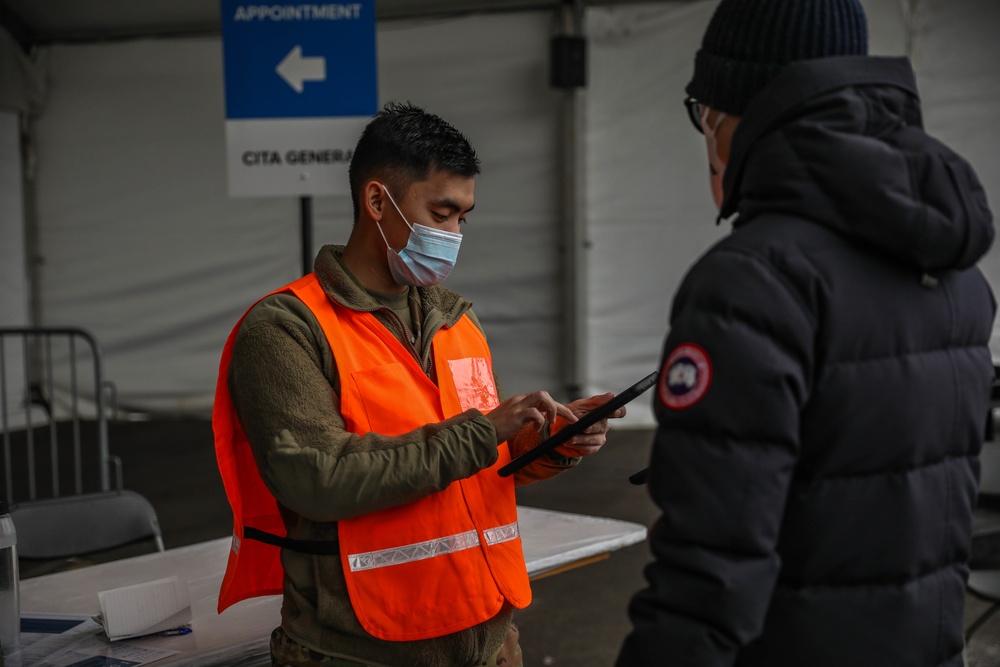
(41, 21)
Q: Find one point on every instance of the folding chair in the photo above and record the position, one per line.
(53, 413)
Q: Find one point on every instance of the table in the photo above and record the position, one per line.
(553, 541)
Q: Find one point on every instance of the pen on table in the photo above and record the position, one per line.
(175, 631)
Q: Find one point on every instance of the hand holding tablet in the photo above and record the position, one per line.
(578, 427)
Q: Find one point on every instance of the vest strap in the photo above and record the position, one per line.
(312, 547)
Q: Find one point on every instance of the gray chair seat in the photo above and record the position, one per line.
(83, 524)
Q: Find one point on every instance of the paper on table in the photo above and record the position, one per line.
(50, 643)
(142, 609)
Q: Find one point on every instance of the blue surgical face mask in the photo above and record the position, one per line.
(429, 255)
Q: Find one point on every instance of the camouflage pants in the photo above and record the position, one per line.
(508, 655)
(287, 653)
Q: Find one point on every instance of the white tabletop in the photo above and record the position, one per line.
(240, 634)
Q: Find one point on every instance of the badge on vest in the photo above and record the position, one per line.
(473, 379)
(685, 377)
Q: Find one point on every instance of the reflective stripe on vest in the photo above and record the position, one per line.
(431, 548)
(413, 552)
(502, 534)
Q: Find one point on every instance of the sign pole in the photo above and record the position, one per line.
(305, 219)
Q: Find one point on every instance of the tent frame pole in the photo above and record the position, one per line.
(573, 223)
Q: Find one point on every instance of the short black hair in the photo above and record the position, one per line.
(402, 144)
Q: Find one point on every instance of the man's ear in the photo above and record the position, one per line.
(373, 199)
(724, 136)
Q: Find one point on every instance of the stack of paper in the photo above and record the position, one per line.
(144, 609)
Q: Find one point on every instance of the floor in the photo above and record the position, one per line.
(577, 618)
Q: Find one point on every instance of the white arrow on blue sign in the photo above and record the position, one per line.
(296, 70)
(284, 62)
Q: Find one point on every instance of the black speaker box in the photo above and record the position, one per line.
(569, 62)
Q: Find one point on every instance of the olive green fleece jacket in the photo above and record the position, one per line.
(285, 389)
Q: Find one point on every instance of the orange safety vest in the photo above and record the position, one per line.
(438, 565)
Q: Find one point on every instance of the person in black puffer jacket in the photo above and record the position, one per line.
(826, 377)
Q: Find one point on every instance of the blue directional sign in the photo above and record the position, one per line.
(288, 59)
(301, 85)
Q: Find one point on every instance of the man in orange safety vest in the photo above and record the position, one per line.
(359, 428)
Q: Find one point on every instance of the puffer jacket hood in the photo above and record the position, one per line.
(840, 141)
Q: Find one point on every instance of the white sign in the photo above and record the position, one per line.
(297, 156)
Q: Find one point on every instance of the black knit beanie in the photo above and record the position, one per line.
(749, 41)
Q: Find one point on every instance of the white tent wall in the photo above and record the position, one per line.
(649, 207)
(21, 91)
(13, 269)
(138, 241)
(141, 244)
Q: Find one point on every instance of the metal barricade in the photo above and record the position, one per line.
(54, 404)
(56, 460)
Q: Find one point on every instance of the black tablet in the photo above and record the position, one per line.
(577, 427)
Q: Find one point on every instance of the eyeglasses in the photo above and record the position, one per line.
(694, 108)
